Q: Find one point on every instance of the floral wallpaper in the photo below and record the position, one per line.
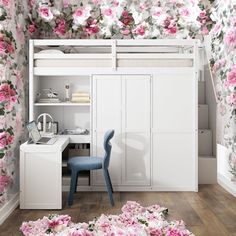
(12, 70)
(224, 70)
(118, 19)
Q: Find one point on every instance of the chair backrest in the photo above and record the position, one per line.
(107, 147)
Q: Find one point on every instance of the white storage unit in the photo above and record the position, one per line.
(146, 90)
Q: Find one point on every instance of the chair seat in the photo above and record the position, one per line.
(85, 163)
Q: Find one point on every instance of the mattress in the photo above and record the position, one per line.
(108, 63)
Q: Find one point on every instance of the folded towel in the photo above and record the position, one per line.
(80, 94)
(80, 100)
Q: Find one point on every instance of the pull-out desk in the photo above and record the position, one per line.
(41, 175)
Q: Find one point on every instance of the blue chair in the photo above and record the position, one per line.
(77, 164)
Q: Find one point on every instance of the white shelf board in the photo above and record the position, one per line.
(62, 104)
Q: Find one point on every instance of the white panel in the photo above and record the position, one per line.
(136, 103)
(136, 96)
(174, 102)
(41, 172)
(174, 162)
(108, 102)
(107, 115)
(136, 165)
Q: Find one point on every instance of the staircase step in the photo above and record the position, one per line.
(207, 170)
(205, 142)
(203, 116)
(201, 92)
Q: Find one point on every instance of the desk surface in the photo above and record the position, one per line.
(58, 146)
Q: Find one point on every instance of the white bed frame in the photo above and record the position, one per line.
(164, 116)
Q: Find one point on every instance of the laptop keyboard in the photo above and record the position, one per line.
(44, 140)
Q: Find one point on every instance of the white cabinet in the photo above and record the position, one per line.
(123, 103)
(174, 132)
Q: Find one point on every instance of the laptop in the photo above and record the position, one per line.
(36, 136)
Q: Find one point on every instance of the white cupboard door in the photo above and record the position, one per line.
(136, 95)
(107, 115)
(173, 162)
(174, 102)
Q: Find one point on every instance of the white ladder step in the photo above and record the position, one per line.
(205, 142)
(207, 170)
(201, 92)
(202, 116)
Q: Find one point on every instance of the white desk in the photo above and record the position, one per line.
(41, 173)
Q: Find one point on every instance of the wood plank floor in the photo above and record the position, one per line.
(210, 212)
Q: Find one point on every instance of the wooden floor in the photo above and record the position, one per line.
(210, 212)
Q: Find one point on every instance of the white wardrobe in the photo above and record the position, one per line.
(154, 141)
(146, 90)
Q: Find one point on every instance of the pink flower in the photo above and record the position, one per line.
(66, 3)
(184, 12)
(4, 182)
(5, 3)
(172, 29)
(231, 77)
(3, 140)
(125, 32)
(140, 30)
(92, 27)
(45, 13)
(231, 99)
(9, 139)
(31, 28)
(60, 28)
(230, 38)
(107, 12)
(10, 48)
(126, 19)
(2, 47)
(204, 30)
(81, 15)
(157, 12)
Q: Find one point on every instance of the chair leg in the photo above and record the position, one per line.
(76, 182)
(72, 187)
(110, 181)
(108, 185)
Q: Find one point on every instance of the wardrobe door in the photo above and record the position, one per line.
(107, 115)
(136, 130)
(174, 131)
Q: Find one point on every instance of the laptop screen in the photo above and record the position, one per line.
(33, 131)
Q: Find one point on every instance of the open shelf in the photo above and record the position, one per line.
(62, 104)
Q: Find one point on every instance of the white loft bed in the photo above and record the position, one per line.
(146, 89)
(76, 55)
